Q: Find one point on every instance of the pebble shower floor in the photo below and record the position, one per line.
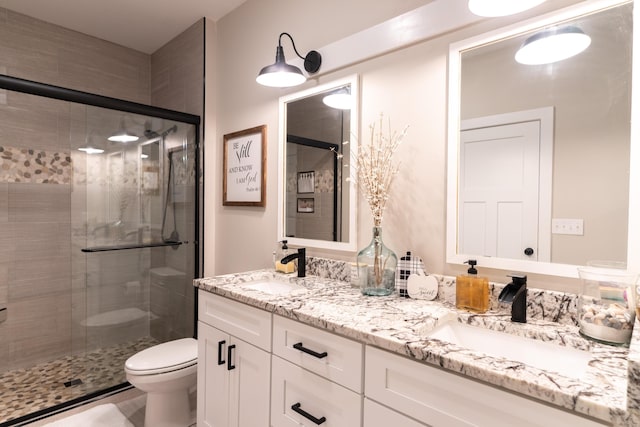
(24, 391)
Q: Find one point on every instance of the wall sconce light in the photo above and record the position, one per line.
(281, 74)
(122, 135)
(340, 99)
(494, 8)
(552, 45)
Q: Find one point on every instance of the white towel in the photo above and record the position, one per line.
(107, 415)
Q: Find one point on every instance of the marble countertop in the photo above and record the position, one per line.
(609, 391)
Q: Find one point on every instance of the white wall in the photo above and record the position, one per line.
(409, 86)
(245, 237)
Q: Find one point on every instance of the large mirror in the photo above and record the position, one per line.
(539, 176)
(318, 137)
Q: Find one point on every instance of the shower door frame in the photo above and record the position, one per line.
(70, 95)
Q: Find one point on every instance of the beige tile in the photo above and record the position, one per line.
(39, 328)
(51, 54)
(177, 71)
(45, 271)
(40, 240)
(39, 203)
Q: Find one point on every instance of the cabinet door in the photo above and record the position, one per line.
(249, 385)
(213, 380)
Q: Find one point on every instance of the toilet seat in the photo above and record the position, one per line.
(165, 357)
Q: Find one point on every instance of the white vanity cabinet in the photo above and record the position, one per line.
(316, 377)
(442, 399)
(234, 363)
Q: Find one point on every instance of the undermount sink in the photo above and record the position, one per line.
(563, 360)
(274, 287)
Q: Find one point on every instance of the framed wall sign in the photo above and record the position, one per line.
(306, 182)
(244, 167)
(306, 205)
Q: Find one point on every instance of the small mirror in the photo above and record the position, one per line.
(540, 155)
(318, 137)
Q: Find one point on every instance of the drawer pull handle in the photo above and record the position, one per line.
(299, 346)
(230, 365)
(317, 421)
(220, 344)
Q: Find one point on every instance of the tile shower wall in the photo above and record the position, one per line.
(177, 71)
(35, 212)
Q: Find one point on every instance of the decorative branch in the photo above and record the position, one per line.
(376, 169)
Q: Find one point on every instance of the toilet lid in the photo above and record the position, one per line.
(168, 356)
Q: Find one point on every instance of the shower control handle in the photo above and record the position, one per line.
(220, 344)
(230, 365)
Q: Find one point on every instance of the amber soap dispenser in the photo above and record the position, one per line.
(472, 292)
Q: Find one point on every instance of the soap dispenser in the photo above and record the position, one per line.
(282, 251)
(472, 292)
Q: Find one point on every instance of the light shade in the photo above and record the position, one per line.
(280, 74)
(340, 99)
(492, 8)
(553, 45)
(122, 135)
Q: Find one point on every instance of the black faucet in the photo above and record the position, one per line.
(301, 256)
(516, 293)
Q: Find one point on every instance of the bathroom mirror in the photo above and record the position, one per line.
(316, 200)
(539, 176)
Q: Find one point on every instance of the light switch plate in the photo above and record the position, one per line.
(567, 226)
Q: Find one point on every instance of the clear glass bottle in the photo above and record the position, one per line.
(377, 267)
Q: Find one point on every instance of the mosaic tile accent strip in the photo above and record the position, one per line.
(35, 166)
(24, 391)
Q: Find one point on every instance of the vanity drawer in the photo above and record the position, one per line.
(377, 415)
(442, 399)
(240, 320)
(292, 386)
(334, 357)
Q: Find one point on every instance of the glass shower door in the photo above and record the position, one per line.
(136, 225)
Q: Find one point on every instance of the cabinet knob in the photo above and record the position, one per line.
(528, 251)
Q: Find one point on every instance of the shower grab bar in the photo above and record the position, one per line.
(131, 246)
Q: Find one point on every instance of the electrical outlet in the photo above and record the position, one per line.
(567, 226)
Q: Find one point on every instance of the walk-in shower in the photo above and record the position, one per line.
(99, 243)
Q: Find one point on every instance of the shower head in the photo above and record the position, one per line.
(173, 128)
(149, 134)
(153, 134)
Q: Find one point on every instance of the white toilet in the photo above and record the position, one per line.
(166, 372)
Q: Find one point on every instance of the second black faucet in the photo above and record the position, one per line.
(516, 293)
